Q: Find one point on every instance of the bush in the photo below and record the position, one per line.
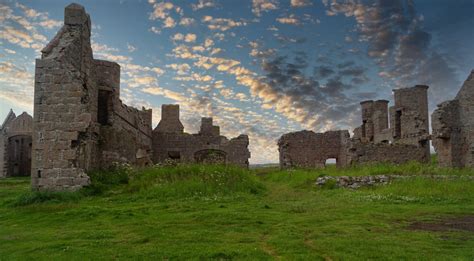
(103, 180)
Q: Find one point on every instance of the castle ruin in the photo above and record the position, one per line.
(80, 123)
(405, 138)
(208, 146)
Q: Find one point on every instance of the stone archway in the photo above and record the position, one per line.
(210, 156)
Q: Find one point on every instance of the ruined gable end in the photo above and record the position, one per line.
(453, 128)
(80, 123)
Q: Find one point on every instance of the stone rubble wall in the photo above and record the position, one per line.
(453, 128)
(367, 181)
(363, 153)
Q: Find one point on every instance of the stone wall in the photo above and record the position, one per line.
(80, 123)
(170, 142)
(406, 138)
(307, 149)
(369, 153)
(15, 145)
(453, 128)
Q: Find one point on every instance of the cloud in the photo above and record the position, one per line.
(221, 24)
(398, 43)
(169, 22)
(300, 3)
(259, 6)
(162, 11)
(186, 21)
(323, 71)
(190, 38)
(131, 48)
(288, 20)
(203, 4)
(23, 30)
(16, 85)
(181, 69)
(155, 30)
(166, 93)
(257, 51)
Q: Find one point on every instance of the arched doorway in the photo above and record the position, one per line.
(210, 156)
(19, 156)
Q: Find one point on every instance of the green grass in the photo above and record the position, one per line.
(221, 213)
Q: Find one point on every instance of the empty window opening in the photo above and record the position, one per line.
(398, 124)
(363, 128)
(331, 162)
(103, 107)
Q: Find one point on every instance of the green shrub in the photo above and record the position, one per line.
(103, 180)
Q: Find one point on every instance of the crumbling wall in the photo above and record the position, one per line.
(407, 136)
(170, 142)
(368, 153)
(125, 132)
(453, 128)
(307, 149)
(79, 121)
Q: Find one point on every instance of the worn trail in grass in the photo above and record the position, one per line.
(215, 212)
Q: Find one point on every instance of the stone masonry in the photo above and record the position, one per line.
(15, 145)
(406, 138)
(80, 123)
(306, 149)
(453, 128)
(170, 142)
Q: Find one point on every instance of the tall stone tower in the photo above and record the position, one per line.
(80, 123)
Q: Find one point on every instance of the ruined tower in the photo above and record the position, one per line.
(409, 116)
(80, 123)
(453, 128)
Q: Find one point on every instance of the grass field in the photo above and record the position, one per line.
(216, 212)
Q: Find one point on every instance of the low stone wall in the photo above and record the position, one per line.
(361, 153)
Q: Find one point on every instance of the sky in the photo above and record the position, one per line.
(258, 67)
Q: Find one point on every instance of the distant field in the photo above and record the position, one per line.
(217, 212)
